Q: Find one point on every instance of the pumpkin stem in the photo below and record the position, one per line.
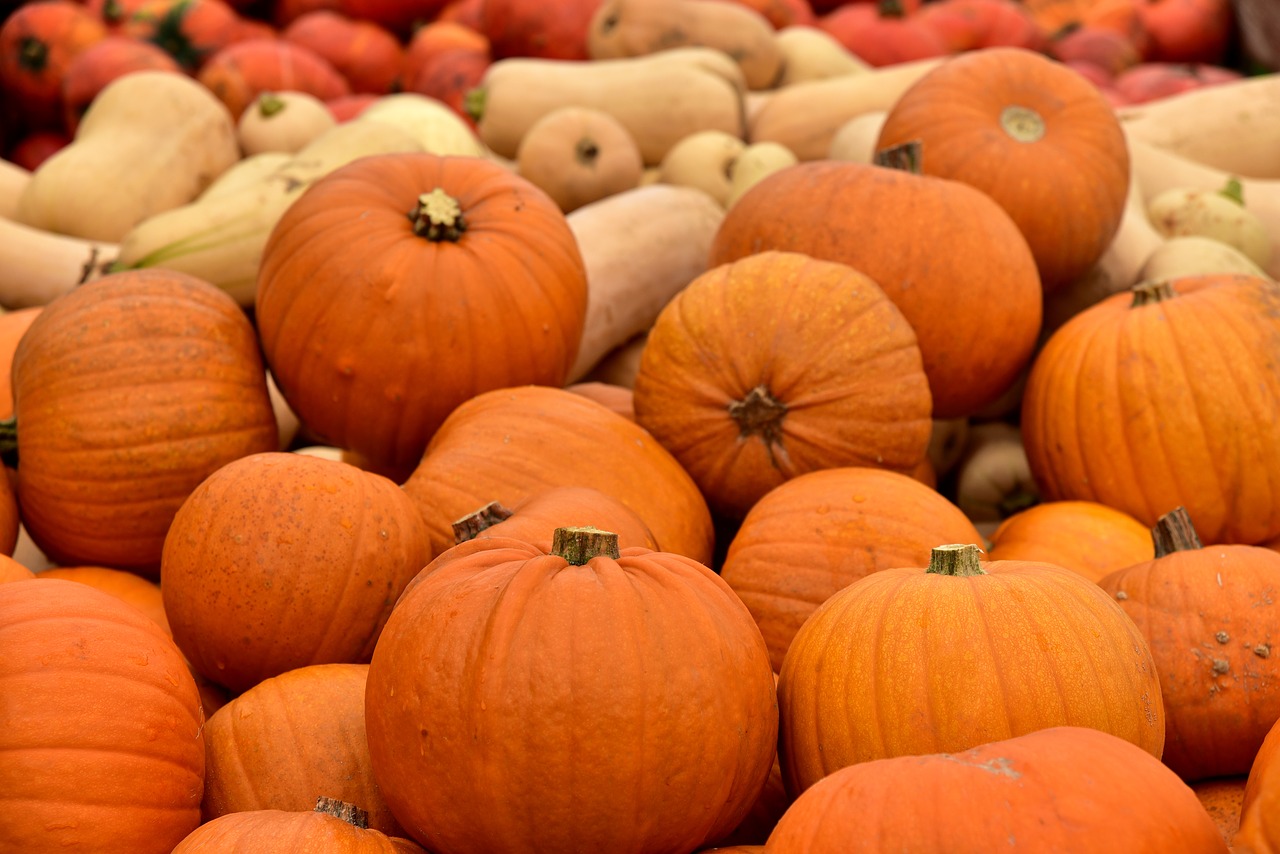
(959, 560)
(905, 157)
(1022, 123)
(1145, 293)
(269, 104)
(350, 813)
(579, 545)
(470, 526)
(438, 217)
(759, 414)
(1234, 190)
(1175, 533)
(474, 102)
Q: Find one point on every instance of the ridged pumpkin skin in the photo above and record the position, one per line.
(1032, 134)
(510, 444)
(1085, 536)
(1172, 401)
(818, 533)
(1260, 807)
(128, 392)
(908, 661)
(102, 741)
(290, 739)
(776, 365)
(948, 256)
(289, 832)
(1057, 789)
(516, 702)
(281, 560)
(535, 519)
(375, 361)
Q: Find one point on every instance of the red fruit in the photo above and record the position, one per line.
(883, 33)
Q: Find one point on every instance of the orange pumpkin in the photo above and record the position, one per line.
(535, 519)
(975, 24)
(11, 570)
(780, 364)
(916, 661)
(444, 245)
(1084, 536)
(332, 826)
(128, 392)
(1065, 788)
(1187, 30)
(240, 72)
(10, 521)
(505, 667)
(102, 738)
(617, 398)
(190, 31)
(37, 42)
(883, 32)
(142, 593)
(1221, 799)
(939, 249)
(1031, 134)
(820, 532)
(281, 560)
(1260, 805)
(1164, 397)
(531, 28)
(369, 56)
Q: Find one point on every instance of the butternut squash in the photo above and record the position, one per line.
(37, 266)
(755, 163)
(1219, 214)
(856, 139)
(660, 98)
(625, 28)
(1194, 255)
(433, 123)
(282, 121)
(703, 160)
(149, 142)
(247, 171)
(578, 155)
(806, 116)
(641, 247)
(809, 53)
(221, 239)
(13, 180)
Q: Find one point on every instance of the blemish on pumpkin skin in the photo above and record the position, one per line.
(1000, 766)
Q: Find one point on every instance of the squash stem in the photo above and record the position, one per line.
(350, 813)
(905, 157)
(1173, 532)
(438, 217)
(1145, 293)
(959, 560)
(474, 102)
(470, 526)
(579, 545)
(269, 104)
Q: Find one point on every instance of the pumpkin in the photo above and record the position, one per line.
(510, 444)
(883, 32)
(281, 560)
(10, 523)
(1085, 536)
(288, 737)
(334, 827)
(446, 69)
(1031, 134)
(12, 570)
(966, 25)
(916, 661)
(535, 519)
(528, 28)
(89, 72)
(505, 667)
(1221, 799)
(1095, 46)
(1153, 82)
(1260, 805)
(128, 392)
(13, 325)
(398, 16)
(366, 54)
(190, 31)
(1187, 30)
(1191, 424)
(820, 532)
(102, 736)
(141, 593)
(1064, 788)
(37, 42)
(444, 245)
(241, 71)
(1206, 614)
(939, 249)
(578, 155)
(779, 364)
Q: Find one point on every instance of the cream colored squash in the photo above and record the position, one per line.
(703, 160)
(856, 139)
(755, 163)
(1217, 214)
(812, 54)
(37, 266)
(13, 180)
(1193, 255)
(436, 127)
(282, 121)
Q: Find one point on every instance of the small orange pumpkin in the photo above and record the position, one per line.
(37, 42)
(367, 55)
(332, 826)
(1085, 536)
(241, 71)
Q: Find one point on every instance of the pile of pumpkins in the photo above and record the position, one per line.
(674, 448)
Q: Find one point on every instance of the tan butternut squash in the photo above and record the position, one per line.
(809, 53)
(806, 116)
(150, 142)
(755, 163)
(246, 171)
(436, 127)
(993, 477)
(37, 266)
(578, 155)
(1218, 214)
(621, 364)
(703, 160)
(856, 139)
(221, 239)
(13, 180)
(282, 121)
(1194, 255)
(625, 28)
(660, 98)
(641, 247)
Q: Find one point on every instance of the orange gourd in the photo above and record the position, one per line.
(37, 42)
(1259, 831)
(1085, 536)
(332, 826)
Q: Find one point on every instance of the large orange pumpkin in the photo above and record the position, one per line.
(128, 392)
(242, 70)
(1209, 617)
(101, 735)
(1260, 807)
(582, 700)
(402, 285)
(281, 560)
(37, 42)
(780, 364)
(915, 661)
(334, 827)
(1032, 134)
(818, 533)
(946, 254)
(141, 593)
(1063, 788)
(1162, 397)
(1090, 538)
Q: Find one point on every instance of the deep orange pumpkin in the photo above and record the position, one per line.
(369, 56)
(1221, 799)
(238, 73)
(916, 661)
(128, 392)
(141, 593)
(190, 31)
(1162, 397)
(332, 827)
(37, 42)
(975, 24)
(779, 364)
(102, 740)
(1058, 789)
(948, 256)
(883, 32)
(1260, 805)
(505, 668)
(470, 280)
(11, 570)
(1085, 536)
(535, 519)
(532, 28)
(1187, 30)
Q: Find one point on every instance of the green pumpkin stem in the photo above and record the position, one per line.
(1145, 293)
(438, 217)
(474, 102)
(269, 104)
(1173, 532)
(470, 526)
(350, 813)
(1234, 190)
(959, 560)
(905, 157)
(579, 545)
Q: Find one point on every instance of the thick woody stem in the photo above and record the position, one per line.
(959, 560)
(579, 545)
(1174, 532)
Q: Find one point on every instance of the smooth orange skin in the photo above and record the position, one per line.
(289, 832)
(818, 533)
(1063, 788)
(13, 325)
(535, 519)
(99, 681)
(908, 662)
(939, 249)
(11, 570)
(1085, 536)
(142, 593)
(517, 703)
(1210, 620)
(822, 338)
(1172, 403)
(1260, 806)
